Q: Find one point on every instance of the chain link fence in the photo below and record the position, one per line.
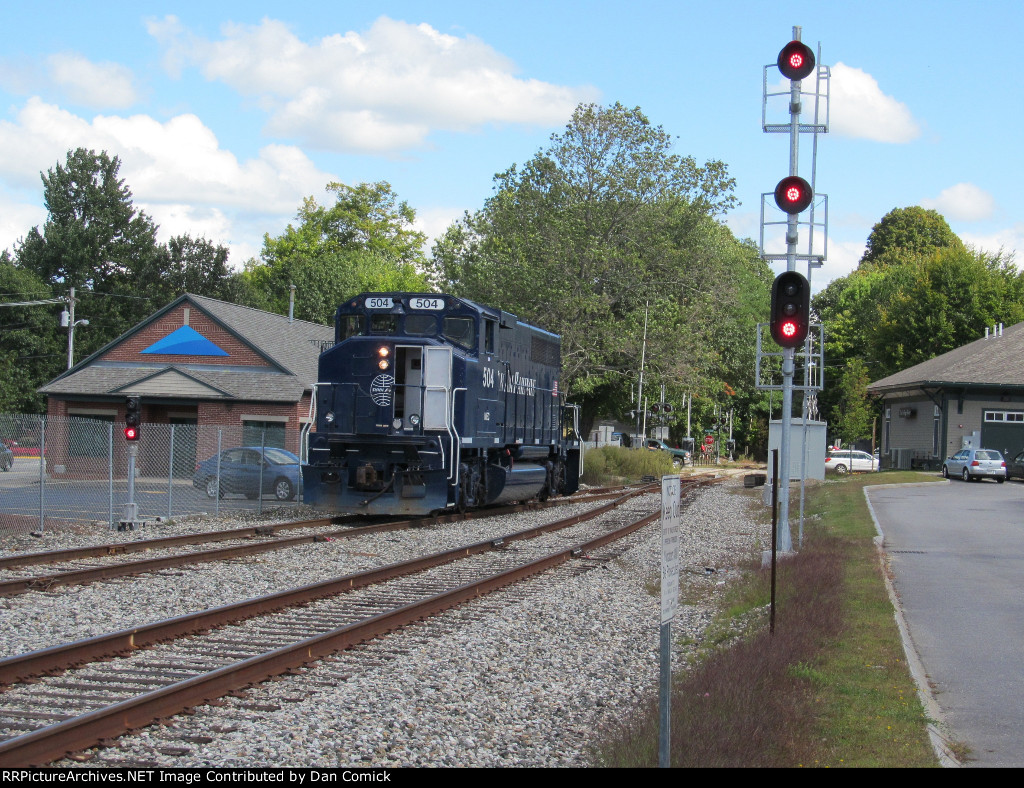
(73, 472)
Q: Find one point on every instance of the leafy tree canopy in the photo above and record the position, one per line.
(30, 346)
(364, 241)
(604, 226)
(922, 293)
(908, 233)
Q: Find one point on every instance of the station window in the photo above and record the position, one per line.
(89, 436)
(263, 433)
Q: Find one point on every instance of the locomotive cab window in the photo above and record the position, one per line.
(461, 331)
(420, 325)
(490, 334)
(383, 324)
(349, 326)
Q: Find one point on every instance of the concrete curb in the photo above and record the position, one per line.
(938, 731)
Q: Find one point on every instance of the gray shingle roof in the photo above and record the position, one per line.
(291, 347)
(996, 361)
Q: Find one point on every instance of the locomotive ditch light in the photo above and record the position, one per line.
(796, 60)
(329, 417)
(414, 420)
(793, 194)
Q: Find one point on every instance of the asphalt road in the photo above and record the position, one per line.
(88, 501)
(957, 557)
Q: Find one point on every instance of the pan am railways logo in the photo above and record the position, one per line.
(380, 390)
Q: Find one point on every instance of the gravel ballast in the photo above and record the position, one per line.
(527, 677)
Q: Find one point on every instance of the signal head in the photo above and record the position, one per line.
(790, 310)
(793, 194)
(796, 60)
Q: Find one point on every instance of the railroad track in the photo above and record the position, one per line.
(292, 629)
(245, 542)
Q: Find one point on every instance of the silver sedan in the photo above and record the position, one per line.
(976, 464)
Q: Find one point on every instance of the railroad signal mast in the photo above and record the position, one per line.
(790, 305)
(132, 427)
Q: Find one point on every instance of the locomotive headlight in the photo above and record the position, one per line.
(397, 423)
(383, 363)
(383, 351)
(414, 420)
(329, 417)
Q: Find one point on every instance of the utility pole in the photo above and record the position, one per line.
(67, 319)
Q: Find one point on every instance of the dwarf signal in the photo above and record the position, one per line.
(132, 418)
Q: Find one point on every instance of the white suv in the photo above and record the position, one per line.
(845, 460)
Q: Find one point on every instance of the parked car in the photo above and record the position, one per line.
(6, 457)
(976, 464)
(850, 460)
(240, 473)
(679, 456)
(1015, 467)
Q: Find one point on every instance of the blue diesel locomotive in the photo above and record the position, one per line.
(429, 402)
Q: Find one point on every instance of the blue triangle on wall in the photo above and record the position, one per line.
(185, 342)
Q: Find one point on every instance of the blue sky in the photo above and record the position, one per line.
(226, 114)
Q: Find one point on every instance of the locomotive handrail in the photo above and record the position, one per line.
(456, 440)
(307, 427)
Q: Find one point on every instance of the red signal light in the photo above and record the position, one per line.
(793, 194)
(796, 60)
(789, 329)
(131, 433)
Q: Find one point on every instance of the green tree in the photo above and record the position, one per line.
(907, 233)
(853, 418)
(606, 225)
(364, 241)
(919, 292)
(94, 240)
(186, 265)
(32, 349)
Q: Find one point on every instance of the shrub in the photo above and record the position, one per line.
(610, 464)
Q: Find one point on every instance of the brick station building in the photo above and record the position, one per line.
(197, 364)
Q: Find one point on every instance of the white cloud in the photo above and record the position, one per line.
(433, 222)
(16, 219)
(177, 170)
(96, 85)
(378, 91)
(859, 108)
(1009, 240)
(964, 202)
(843, 258)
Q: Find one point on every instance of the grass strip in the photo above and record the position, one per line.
(830, 688)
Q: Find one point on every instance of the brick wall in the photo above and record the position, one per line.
(239, 353)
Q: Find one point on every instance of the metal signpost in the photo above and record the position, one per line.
(670, 491)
